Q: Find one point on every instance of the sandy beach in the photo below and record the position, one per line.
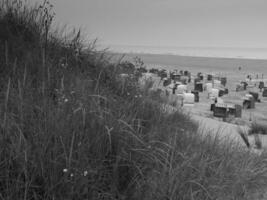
(227, 67)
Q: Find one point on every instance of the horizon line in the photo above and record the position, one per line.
(183, 46)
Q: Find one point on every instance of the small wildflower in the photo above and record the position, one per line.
(66, 100)
(71, 175)
(85, 173)
(65, 170)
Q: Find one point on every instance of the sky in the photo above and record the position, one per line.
(201, 23)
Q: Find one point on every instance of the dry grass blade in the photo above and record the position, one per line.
(6, 102)
(245, 138)
(202, 187)
(71, 150)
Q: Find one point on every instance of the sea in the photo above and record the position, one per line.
(220, 52)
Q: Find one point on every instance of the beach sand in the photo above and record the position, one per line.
(228, 67)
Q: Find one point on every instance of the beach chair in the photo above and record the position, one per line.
(231, 109)
(248, 102)
(176, 77)
(238, 111)
(220, 110)
(264, 93)
(261, 85)
(223, 81)
(214, 93)
(196, 93)
(181, 88)
(198, 86)
(209, 77)
(255, 95)
(166, 82)
(188, 99)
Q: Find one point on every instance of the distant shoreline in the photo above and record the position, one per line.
(213, 52)
(196, 64)
(190, 56)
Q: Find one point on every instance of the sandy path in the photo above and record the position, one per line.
(219, 129)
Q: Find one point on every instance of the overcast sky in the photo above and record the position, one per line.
(227, 23)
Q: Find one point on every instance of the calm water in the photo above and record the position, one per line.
(222, 52)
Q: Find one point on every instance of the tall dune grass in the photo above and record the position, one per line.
(72, 128)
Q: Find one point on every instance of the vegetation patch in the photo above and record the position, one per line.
(256, 128)
(74, 127)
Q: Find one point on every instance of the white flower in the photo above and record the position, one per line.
(65, 170)
(66, 100)
(85, 173)
(71, 175)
